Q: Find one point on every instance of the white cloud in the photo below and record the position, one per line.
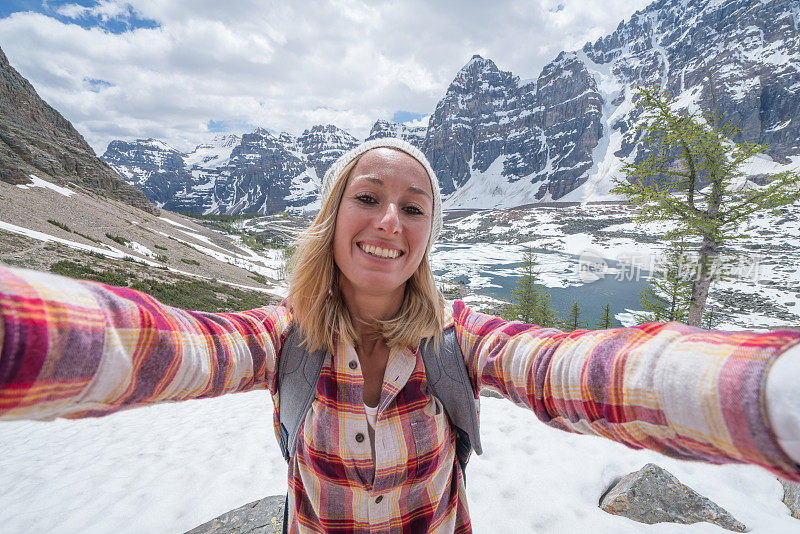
(104, 10)
(422, 121)
(284, 66)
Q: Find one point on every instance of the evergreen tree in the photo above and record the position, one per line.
(573, 321)
(668, 295)
(693, 177)
(710, 319)
(530, 303)
(606, 321)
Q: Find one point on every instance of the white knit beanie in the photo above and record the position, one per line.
(390, 142)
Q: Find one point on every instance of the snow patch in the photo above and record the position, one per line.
(38, 182)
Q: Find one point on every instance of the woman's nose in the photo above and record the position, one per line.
(390, 221)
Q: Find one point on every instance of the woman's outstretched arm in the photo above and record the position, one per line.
(682, 391)
(75, 348)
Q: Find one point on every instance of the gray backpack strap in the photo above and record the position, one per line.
(449, 382)
(298, 374)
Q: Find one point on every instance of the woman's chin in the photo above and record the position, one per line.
(374, 285)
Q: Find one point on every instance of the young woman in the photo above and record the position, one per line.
(376, 451)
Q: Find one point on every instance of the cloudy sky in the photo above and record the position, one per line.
(185, 70)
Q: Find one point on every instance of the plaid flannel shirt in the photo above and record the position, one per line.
(80, 349)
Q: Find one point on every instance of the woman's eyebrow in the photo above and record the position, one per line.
(379, 181)
(418, 190)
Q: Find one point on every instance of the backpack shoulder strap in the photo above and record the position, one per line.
(449, 382)
(298, 374)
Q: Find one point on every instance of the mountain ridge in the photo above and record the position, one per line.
(496, 141)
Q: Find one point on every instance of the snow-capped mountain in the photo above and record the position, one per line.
(383, 128)
(495, 140)
(323, 144)
(258, 172)
(214, 154)
(152, 166)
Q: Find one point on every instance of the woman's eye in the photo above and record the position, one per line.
(366, 199)
(413, 210)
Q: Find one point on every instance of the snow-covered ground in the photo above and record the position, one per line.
(168, 468)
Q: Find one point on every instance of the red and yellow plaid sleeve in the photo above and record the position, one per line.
(75, 348)
(679, 390)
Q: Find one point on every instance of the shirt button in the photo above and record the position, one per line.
(379, 499)
(353, 364)
(359, 437)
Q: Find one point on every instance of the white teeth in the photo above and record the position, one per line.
(380, 252)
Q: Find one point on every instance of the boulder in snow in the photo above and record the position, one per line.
(258, 517)
(791, 497)
(653, 495)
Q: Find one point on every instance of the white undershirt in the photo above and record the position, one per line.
(372, 416)
(783, 401)
(372, 422)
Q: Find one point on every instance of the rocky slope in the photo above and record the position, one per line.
(498, 141)
(36, 140)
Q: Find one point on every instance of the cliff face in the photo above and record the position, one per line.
(750, 48)
(36, 139)
(491, 130)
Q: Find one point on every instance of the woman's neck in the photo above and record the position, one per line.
(366, 309)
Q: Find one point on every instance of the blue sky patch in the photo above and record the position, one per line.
(96, 85)
(226, 126)
(80, 12)
(406, 116)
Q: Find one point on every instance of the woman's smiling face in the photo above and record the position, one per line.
(383, 224)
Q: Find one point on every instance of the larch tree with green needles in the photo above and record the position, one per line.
(530, 303)
(668, 295)
(606, 321)
(693, 178)
(573, 320)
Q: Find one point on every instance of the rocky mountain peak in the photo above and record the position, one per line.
(383, 128)
(226, 140)
(261, 132)
(323, 144)
(480, 74)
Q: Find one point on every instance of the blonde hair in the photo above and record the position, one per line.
(317, 304)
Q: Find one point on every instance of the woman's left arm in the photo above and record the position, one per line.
(682, 391)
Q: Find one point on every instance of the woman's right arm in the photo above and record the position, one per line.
(76, 348)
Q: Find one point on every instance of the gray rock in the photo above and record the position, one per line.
(791, 497)
(258, 517)
(653, 495)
